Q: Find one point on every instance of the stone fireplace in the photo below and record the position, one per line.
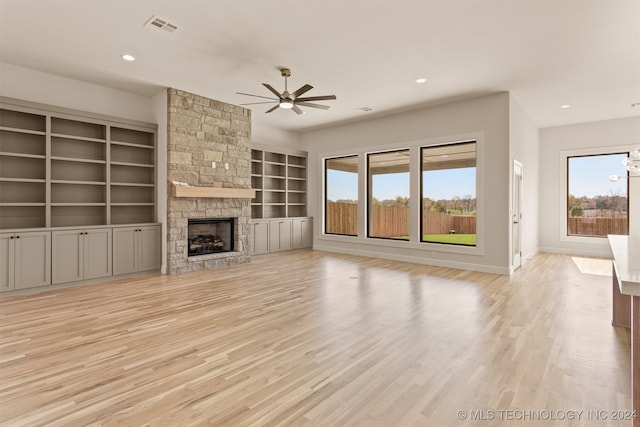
(209, 145)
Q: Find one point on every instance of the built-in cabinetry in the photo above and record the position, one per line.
(279, 208)
(80, 254)
(25, 260)
(64, 170)
(280, 182)
(69, 181)
(282, 234)
(136, 249)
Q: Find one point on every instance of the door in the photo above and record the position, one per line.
(149, 248)
(97, 253)
(33, 259)
(516, 215)
(66, 257)
(302, 233)
(124, 259)
(260, 238)
(7, 260)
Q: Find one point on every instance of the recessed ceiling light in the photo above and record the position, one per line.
(565, 106)
(128, 57)
(421, 80)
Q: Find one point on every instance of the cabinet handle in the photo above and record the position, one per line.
(11, 237)
(17, 237)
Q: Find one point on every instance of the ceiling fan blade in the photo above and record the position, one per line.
(275, 92)
(309, 104)
(303, 89)
(297, 110)
(257, 96)
(271, 109)
(256, 103)
(316, 98)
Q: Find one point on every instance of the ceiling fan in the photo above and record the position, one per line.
(290, 101)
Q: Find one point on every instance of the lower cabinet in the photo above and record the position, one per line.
(259, 237)
(136, 249)
(25, 260)
(302, 233)
(280, 235)
(81, 255)
(32, 259)
(274, 235)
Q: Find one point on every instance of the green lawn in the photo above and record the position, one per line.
(459, 239)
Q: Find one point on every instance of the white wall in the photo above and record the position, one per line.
(584, 139)
(485, 116)
(524, 147)
(264, 134)
(35, 86)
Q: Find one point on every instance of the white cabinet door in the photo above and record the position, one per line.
(80, 254)
(32, 259)
(124, 260)
(149, 248)
(137, 249)
(280, 235)
(7, 262)
(97, 253)
(67, 256)
(302, 233)
(259, 237)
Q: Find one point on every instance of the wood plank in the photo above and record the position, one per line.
(213, 192)
(313, 338)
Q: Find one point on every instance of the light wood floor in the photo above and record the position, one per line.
(309, 338)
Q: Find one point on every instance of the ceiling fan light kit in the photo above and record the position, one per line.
(290, 101)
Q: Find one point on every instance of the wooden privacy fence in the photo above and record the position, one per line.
(579, 226)
(393, 221)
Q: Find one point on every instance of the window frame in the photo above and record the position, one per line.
(564, 187)
(422, 231)
(326, 194)
(369, 206)
(566, 191)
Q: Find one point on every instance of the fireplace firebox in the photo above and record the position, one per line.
(210, 235)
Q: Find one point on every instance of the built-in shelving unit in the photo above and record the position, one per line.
(59, 169)
(280, 181)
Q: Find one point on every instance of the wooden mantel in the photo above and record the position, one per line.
(213, 192)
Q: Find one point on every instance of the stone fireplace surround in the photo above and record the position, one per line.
(202, 131)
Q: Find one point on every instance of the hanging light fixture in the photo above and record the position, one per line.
(632, 163)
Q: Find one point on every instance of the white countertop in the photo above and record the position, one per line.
(626, 261)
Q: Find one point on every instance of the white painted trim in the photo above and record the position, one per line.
(563, 156)
(416, 260)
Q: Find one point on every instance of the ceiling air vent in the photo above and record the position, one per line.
(154, 21)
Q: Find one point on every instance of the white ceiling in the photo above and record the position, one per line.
(367, 53)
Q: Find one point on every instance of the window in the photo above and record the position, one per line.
(597, 195)
(388, 175)
(341, 195)
(449, 194)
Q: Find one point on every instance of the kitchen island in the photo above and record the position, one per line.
(626, 303)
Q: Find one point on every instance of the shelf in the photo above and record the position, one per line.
(78, 204)
(213, 192)
(67, 181)
(135, 165)
(32, 180)
(25, 131)
(130, 184)
(130, 144)
(78, 160)
(62, 169)
(78, 138)
(23, 155)
(22, 204)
